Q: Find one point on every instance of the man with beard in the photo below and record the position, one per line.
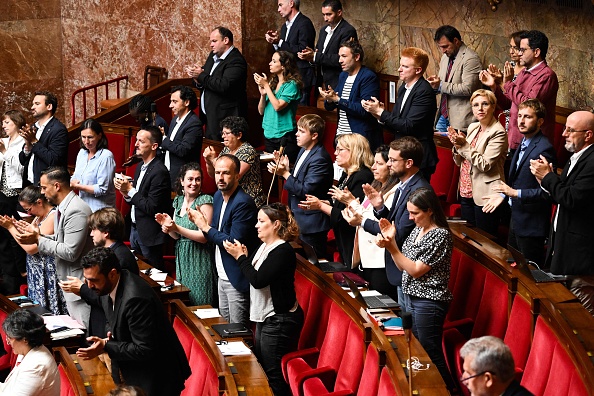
(140, 341)
(46, 142)
(404, 159)
(571, 251)
(530, 205)
(70, 240)
(233, 219)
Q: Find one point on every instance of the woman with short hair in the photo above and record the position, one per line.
(36, 372)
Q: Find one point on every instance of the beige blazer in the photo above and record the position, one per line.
(461, 83)
(487, 158)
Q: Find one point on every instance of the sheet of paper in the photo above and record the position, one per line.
(158, 276)
(207, 313)
(234, 348)
(55, 321)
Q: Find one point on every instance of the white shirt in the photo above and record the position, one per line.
(406, 93)
(218, 258)
(134, 190)
(178, 123)
(300, 162)
(37, 136)
(289, 24)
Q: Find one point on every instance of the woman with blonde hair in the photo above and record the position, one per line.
(273, 301)
(353, 154)
(480, 155)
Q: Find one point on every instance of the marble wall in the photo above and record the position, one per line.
(386, 26)
(62, 45)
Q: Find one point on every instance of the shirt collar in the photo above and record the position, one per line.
(220, 58)
(290, 21)
(62, 205)
(330, 29)
(45, 123)
(534, 67)
(115, 290)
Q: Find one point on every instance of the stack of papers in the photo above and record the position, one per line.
(234, 348)
(69, 327)
(207, 313)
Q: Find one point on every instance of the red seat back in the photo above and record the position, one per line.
(371, 371)
(468, 290)
(518, 336)
(316, 308)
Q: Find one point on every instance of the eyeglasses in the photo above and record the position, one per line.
(341, 149)
(395, 160)
(464, 379)
(522, 50)
(571, 130)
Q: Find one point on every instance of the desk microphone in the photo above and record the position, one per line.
(407, 326)
(283, 143)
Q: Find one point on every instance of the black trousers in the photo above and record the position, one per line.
(12, 256)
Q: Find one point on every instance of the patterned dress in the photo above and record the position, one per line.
(42, 282)
(194, 265)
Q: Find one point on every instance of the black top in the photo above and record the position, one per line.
(278, 272)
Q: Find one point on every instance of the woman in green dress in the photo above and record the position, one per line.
(193, 260)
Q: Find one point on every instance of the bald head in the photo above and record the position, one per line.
(579, 131)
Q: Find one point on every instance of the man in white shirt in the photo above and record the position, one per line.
(183, 142)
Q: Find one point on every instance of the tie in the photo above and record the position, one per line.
(443, 107)
(521, 153)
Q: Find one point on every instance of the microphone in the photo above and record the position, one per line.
(154, 113)
(406, 324)
(283, 143)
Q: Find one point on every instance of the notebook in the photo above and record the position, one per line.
(536, 275)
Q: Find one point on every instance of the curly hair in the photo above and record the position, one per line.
(290, 71)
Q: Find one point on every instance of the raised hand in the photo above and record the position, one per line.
(376, 199)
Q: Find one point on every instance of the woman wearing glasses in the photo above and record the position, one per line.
(42, 280)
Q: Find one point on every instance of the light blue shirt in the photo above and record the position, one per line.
(97, 172)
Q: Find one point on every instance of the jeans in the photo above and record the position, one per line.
(153, 254)
(275, 337)
(427, 326)
(442, 124)
(234, 305)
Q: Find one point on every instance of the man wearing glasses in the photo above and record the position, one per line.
(489, 368)
(536, 81)
(571, 251)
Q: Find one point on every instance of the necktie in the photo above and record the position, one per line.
(443, 107)
(521, 153)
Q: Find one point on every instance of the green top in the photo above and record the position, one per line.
(277, 123)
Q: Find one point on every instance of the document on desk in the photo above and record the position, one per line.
(234, 348)
(207, 313)
(157, 275)
(56, 321)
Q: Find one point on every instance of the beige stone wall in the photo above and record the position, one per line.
(386, 26)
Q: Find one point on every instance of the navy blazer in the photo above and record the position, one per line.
(50, 150)
(185, 146)
(572, 242)
(314, 178)
(224, 91)
(301, 35)
(398, 214)
(416, 118)
(327, 62)
(144, 344)
(153, 196)
(365, 86)
(531, 214)
(238, 222)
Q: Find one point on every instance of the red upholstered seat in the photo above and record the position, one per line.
(386, 386)
(549, 370)
(7, 361)
(519, 333)
(66, 388)
(316, 308)
(445, 182)
(371, 372)
(339, 360)
(491, 320)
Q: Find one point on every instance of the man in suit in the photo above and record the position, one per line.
(183, 142)
(414, 111)
(355, 84)
(571, 251)
(140, 341)
(312, 175)
(405, 155)
(222, 81)
(233, 219)
(297, 34)
(71, 235)
(325, 56)
(530, 205)
(46, 142)
(458, 78)
(149, 194)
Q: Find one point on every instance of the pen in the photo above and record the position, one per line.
(465, 235)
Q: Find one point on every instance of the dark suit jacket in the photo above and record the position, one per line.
(50, 150)
(153, 196)
(531, 214)
(365, 86)
(143, 343)
(224, 91)
(515, 389)
(572, 242)
(186, 145)
(314, 178)
(399, 215)
(415, 119)
(327, 62)
(344, 233)
(301, 35)
(238, 222)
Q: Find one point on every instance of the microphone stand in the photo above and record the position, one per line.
(281, 151)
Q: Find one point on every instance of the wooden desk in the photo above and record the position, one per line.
(95, 373)
(180, 292)
(250, 376)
